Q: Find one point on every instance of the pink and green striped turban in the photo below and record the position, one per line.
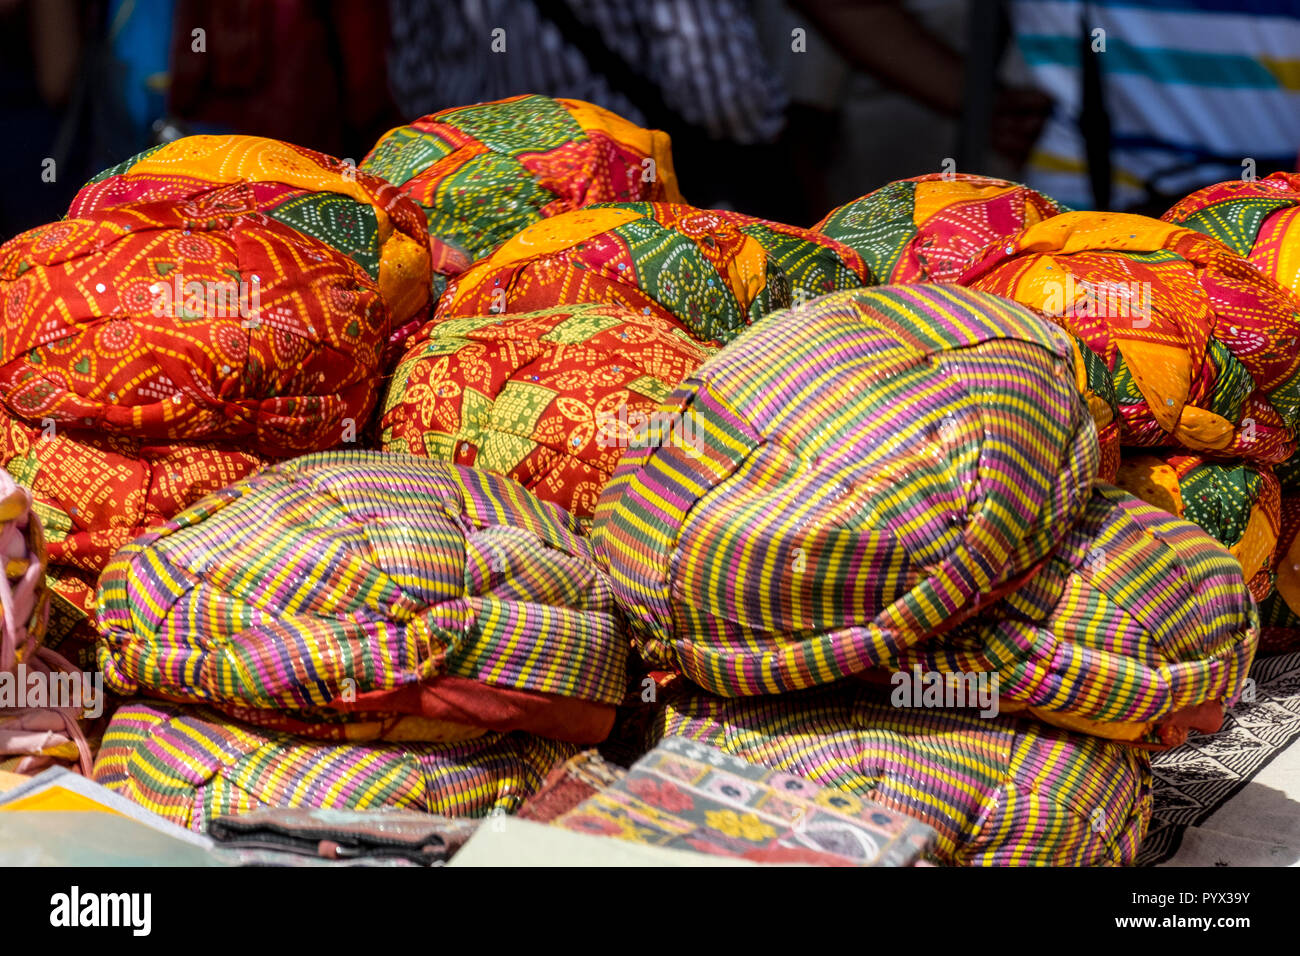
(999, 791)
(190, 765)
(904, 475)
(362, 595)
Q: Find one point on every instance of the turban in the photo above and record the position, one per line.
(1202, 347)
(904, 475)
(482, 173)
(997, 791)
(155, 321)
(714, 271)
(190, 765)
(342, 588)
(1236, 502)
(548, 398)
(928, 228)
(356, 213)
(1259, 219)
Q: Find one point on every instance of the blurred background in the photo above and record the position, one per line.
(778, 108)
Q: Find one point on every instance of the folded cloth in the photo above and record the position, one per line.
(548, 398)
(385, 833)
(712, 270)
(344, 587)
(358, 214)
(928, 228)
(1001, 791)
(903, 475)
(173, 320)
(1238, 503)
(482, 173)
(688, 796)
(1204, 348)
(36, 730)
(190, 765)
(1258, 219)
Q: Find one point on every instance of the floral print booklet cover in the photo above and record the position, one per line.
(689, 796)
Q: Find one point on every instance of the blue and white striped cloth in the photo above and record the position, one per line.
(1193, 89)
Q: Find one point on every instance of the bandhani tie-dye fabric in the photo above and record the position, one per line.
(903, 475)
(483, 173)
(548, 398)
(929, 228)
(325, 594)
(997, 791)
(1238, 503)
(1203, 348)
(714, 271)
(190, 765)
(174, 321)
(1259, 219)
(358, 214)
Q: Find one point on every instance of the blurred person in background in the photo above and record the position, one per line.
(692, 68)
(40, 51)
(879, 90)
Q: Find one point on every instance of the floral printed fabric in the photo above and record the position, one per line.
(358, 214)
(482, 173)
(549, 398)
(178, 321)
(713, 271)
(1204, 350)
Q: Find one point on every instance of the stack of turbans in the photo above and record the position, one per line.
(483, 173)
(364, 598)
(909, 490)
(614, 421)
